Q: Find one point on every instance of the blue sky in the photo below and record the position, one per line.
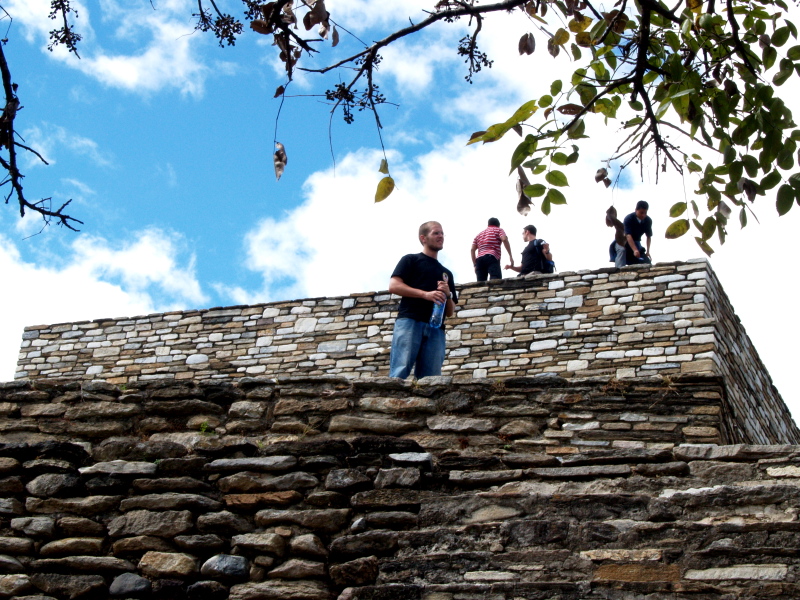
(164, 142)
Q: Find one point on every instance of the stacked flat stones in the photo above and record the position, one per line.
(389, 490)
(670, 319)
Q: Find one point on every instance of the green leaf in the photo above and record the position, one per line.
(555, 197)
(556, 178)
(750, 165)
(743, 217)
(709, 227)
(546, 206)
(561, 37)
(636, 105)
(786, 196)
(523, 113)
(555, 87)
(704, 246)
(794, 181)
(545, 101)
(385, 187)
(694, 167)
(793, 53)
(535, 190)
(559, 158)
(677, 210)
(538, 169)
(780, 37)
(576, 52)
(769, 57)
(677, 229)
(781, 77)
(770, 181)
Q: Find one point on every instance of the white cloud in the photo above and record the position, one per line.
(48, 139)
(96, 279)
(163, 52)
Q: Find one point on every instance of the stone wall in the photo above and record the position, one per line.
(668, 320)
(324, 488)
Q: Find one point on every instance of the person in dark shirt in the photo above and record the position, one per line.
(421, 280)
(531, 259)
(636, 225)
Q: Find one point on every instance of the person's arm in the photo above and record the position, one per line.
(504, 239)
(513, 268)
(398, 286)
(472, 253)
(647, 250)
(546, 251)
(632, 244)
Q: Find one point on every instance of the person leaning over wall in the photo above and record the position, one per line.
(536, 257)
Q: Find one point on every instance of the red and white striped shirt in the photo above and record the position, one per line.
(488, 241)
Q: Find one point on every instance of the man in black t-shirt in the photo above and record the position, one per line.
(421, 280)
(531, 260)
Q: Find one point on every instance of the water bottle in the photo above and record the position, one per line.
(437, 316)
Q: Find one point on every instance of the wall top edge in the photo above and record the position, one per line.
(499, 284)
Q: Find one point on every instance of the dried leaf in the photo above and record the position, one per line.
(561, 37)
(267, 9)
(748, 188)
(523, 179)
(384, 168)
(584, 39)
(279, 91)
(475, 136)
(524, 204)
(607, 182)
(280, 159)
(323, 30)
(527, 44)
(620, 23)
(385, 187)
(335, 37)
(570, 109)
(600, 175)
(261, 27)
(530, 8)
(553, 48)
(518, 129)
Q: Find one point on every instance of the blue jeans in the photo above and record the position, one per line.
(416, 344)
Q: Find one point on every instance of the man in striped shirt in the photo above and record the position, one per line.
(487, 245)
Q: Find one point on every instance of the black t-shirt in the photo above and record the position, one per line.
(531, 260)
(422, 272)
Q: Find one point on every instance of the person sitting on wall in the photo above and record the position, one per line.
(636, 225)
(617, 249)
(536, 258)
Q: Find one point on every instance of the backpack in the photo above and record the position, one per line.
(541, 264)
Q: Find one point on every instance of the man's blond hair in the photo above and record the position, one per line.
(426, 227)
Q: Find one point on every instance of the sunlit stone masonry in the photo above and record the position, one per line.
(604, 434)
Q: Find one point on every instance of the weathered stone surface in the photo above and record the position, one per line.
(69, 586)
(484, 477)
(250, 501)
(391, 520)
(129, 584)
(307, 545)
(80, 527)
(168, 523)
(199, 543)
(122, 467)
(262, 542)
(134, 449)
(9, 564)
(34, 526)
(637, 572)
(223, 522)
(346, 479)
(90, 564)
(170, 484)
(330, 520)
(16, 545)
(258, 463)
(88, 506)
(399, 477)
(13, 585)
(459, 424)
(345, 423)
(167, 564)
(207, 590)
(298, 569)
(760, 572)
(256, 482)
(67, 546)
(170, 501)
(361, 571)
(226, 566)
(387, 499)
(54, 484)
(364, 544)
(140, 544)
(281, 590)
(11, 486)
(398, 405)
(8, 465)
(577, 472)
